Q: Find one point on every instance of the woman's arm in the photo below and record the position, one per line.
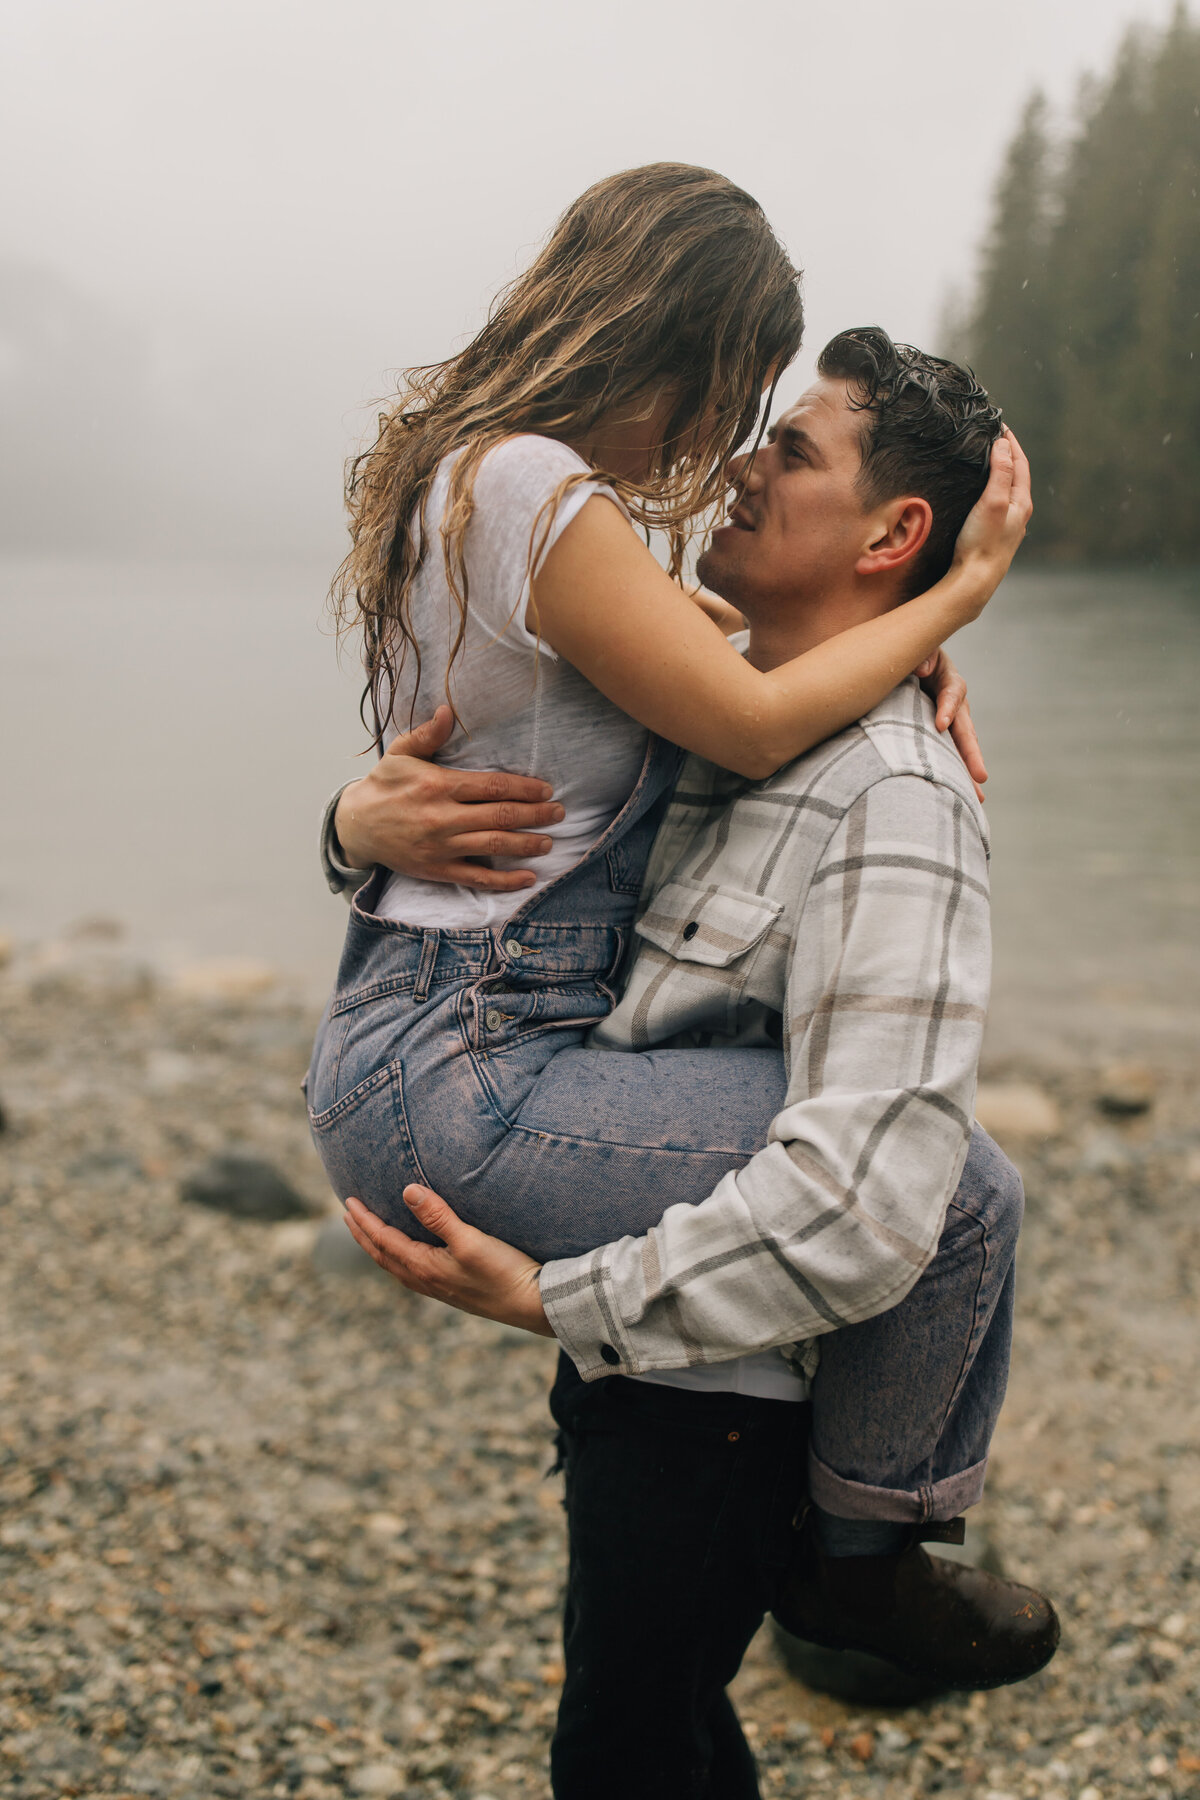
(728, 620)
(604, 604)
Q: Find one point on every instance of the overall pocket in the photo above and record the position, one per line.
(366, 1146)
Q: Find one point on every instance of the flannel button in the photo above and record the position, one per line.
(609, 1355)
(690, 930)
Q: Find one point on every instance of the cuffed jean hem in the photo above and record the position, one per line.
(943, 1499)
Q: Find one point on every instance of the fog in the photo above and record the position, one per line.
(225, 223)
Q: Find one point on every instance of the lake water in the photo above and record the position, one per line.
(168, 734)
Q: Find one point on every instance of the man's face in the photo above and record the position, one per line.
(799, 525)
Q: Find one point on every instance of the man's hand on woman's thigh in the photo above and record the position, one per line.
(470, 1270)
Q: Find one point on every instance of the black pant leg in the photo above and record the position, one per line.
(732, 1769)
(679, 1508)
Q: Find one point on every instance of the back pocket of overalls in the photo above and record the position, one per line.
(365, 1144)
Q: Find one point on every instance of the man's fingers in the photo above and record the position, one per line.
(368, 1233)
(373, 1250)
(500, 843)
(484, 881)
(474, 785)
(416, 1265)
(424, 740)
(388, 1239)
(504, 815)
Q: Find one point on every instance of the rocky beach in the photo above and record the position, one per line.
(269, 1526)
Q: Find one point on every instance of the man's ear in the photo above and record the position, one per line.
(895, 534)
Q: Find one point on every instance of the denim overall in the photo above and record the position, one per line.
(457, 1059)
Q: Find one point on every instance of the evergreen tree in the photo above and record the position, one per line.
(1010, 333)
(1087, 321)
(1162, 368)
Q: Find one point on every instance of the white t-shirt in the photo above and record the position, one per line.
(523, 709)
(764, 1374)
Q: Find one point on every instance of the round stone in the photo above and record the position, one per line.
(246, 1186)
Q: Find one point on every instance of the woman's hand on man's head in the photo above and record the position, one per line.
(996, 524)
(420, 819)
(476, 1273)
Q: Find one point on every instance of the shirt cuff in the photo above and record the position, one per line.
(577, 1293)
(342, 876)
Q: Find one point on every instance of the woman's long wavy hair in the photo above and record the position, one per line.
(662, 280)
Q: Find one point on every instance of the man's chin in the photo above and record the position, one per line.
(718, 572)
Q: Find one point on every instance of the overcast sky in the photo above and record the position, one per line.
(290, 197)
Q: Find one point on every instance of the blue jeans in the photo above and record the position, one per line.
(458, 1059)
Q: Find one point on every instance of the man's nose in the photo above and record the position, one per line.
(743, 473)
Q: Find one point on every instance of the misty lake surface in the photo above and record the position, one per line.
(169, 733)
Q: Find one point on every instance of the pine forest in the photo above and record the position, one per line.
(1086, 320)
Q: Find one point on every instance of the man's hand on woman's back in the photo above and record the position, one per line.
(423, 820)
(412, 815)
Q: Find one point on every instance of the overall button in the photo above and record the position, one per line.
(513, 948)
(493, 1020)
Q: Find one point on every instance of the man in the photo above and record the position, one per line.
(840, 907)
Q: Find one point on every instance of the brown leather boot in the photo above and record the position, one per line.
(947, 1622)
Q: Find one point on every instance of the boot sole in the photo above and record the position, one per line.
(937, 1680)
(851, 1675)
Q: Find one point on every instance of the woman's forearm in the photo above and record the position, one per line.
(838, 681)
(604, 605)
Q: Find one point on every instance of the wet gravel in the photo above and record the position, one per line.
(269, 1526)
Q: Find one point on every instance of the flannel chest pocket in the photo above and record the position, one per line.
(714, 934)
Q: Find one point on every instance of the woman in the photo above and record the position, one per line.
(493, 564)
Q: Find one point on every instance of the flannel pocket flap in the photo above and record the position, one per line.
(712, 925)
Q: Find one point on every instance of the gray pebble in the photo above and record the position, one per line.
(246, 1187)
(378, 1778)
(267, 1533)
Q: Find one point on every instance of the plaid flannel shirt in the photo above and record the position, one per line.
(847, 895)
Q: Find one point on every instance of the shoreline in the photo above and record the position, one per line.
(273, 1527)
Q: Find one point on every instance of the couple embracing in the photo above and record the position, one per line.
(694, 1093)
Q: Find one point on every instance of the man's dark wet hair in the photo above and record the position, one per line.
(929, 431)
